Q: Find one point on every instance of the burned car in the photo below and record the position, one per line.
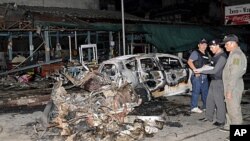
(161, 74)
(123, 69)
(164, 74)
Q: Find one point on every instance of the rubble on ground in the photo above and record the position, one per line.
(92, 108)
(15, 93)
(98, 112)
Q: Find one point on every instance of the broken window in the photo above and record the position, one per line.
(149, 64)
(109, 70)
(132, 65)
(169, 63)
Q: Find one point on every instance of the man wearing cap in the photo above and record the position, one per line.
(233, 71)
(198, 59)
(215, 98)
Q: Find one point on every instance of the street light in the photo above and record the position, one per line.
(123, 29)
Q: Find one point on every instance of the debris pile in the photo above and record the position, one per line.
(23, 82)
(31, 89)
(16, 93)
(99, 111)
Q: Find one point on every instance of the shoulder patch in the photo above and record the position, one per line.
(236, 61)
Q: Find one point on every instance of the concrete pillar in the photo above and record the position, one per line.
(10, 48)
(149, 48)
(58, 46)
(96, 37)
(75, 40)
(47, 48)
(132, 42)
(31, 45)
(57, 37)
(89, 50)
(119, 42)
(70, 52)
(111, 45)
(123, 29)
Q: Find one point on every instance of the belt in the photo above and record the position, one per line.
(216, 78)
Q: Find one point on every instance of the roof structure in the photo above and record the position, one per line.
(28, 17)
(165, 36)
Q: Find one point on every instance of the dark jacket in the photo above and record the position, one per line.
(203, 59)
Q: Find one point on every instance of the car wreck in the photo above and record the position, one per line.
(161, 74)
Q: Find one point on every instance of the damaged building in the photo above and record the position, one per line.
(38, 41)
(49, 58)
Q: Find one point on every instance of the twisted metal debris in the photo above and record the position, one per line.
(93, 113)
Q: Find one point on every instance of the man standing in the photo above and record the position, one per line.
(215, 98)
(197, 59)
(233, 71)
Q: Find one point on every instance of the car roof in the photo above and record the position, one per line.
(120, 58)
(142, 55)
(158, 55)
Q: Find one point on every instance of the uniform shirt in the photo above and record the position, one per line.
(234, 69)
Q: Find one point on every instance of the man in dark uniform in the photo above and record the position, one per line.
(198, 59)
(215, 98)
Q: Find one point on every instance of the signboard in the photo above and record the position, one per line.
(237, 14)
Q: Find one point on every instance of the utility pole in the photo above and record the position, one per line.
(123, 29)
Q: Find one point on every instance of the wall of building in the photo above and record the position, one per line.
(82, 4)
(235, 2)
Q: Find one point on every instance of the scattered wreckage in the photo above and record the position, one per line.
(92, 108)
(33, 89)
(97, 111)
(19, 90)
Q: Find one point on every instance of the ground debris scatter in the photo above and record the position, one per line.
(99, 112)
(172, 125)
(97, 109)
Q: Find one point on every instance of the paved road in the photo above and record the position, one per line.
(180, 124)
(194, 130)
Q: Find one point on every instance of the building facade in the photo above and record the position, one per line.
(81, 4)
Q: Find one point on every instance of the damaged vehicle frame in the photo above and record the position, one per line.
(160, 74)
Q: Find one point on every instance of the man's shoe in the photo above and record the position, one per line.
(224, 129)
(196, 110)
(203, 119)
(218, 124)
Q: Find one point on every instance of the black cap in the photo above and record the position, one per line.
(202, 41)
(230, 37)
(214, 42)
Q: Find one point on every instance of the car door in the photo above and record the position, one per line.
(150, 74)
(176, 75)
